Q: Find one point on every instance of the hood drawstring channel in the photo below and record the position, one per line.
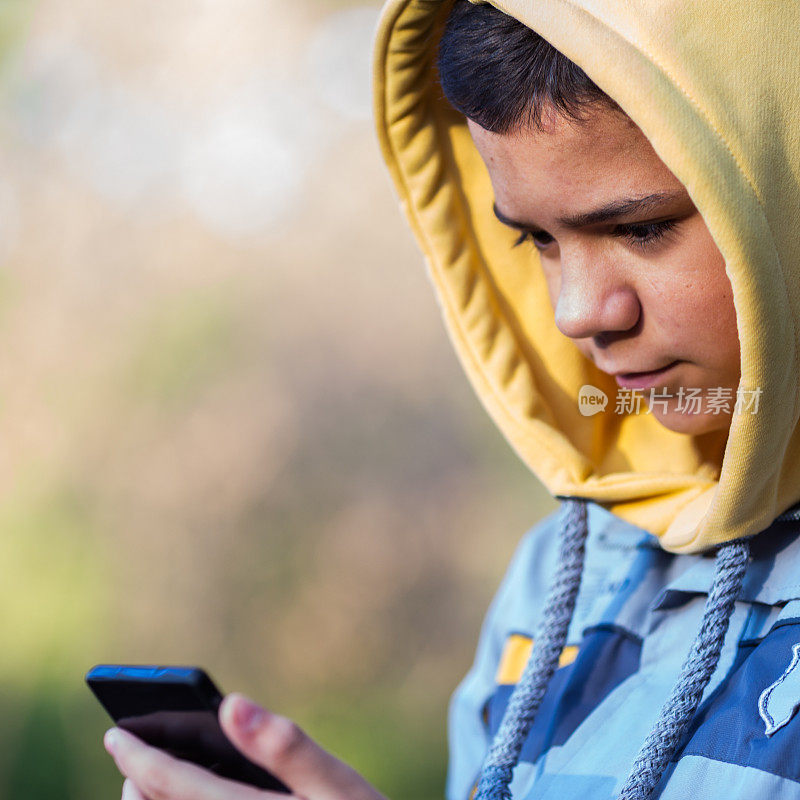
(664, 739)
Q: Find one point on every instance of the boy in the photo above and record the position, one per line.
(649, 168)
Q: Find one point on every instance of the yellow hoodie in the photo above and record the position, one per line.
(715, 87)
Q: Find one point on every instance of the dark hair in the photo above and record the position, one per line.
(503, 75)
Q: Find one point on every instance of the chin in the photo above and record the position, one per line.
(693, 424)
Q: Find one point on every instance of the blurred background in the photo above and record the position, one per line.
(234, 433)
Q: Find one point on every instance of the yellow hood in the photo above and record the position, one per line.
(715, 86)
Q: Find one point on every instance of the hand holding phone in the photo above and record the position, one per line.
(166, 705)
(175, 709)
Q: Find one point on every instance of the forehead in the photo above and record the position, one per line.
(572, 163)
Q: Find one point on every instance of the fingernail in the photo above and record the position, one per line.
(110, 740)
(249, 716)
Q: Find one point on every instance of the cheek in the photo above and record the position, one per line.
(706, 314)
(719, 307)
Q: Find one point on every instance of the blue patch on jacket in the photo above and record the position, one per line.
(729, 726)
(607, 656)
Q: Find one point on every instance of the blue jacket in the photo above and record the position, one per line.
(637, 612)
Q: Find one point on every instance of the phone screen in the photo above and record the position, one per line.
(176, 710)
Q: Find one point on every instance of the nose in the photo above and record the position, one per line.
(594, 298)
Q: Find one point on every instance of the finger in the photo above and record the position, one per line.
(159, 776)
(284, 749)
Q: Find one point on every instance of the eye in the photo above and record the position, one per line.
(644, 234)
(540, 239)
(641, 235)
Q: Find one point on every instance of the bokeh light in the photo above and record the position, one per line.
(234, 432)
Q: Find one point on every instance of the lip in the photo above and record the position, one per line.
(644, 380)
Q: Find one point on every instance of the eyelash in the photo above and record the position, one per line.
(653, 232)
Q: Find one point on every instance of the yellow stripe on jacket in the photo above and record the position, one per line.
(517, 651)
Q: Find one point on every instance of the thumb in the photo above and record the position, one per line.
(284, 749)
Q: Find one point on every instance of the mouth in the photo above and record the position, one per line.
(644, 380)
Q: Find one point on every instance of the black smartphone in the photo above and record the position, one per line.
(176, 710)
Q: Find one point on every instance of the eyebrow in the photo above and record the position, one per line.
(614, 209)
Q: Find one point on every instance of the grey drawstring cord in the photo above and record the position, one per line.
(700, 664)
(549, 642)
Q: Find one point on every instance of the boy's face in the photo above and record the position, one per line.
(635, 291)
